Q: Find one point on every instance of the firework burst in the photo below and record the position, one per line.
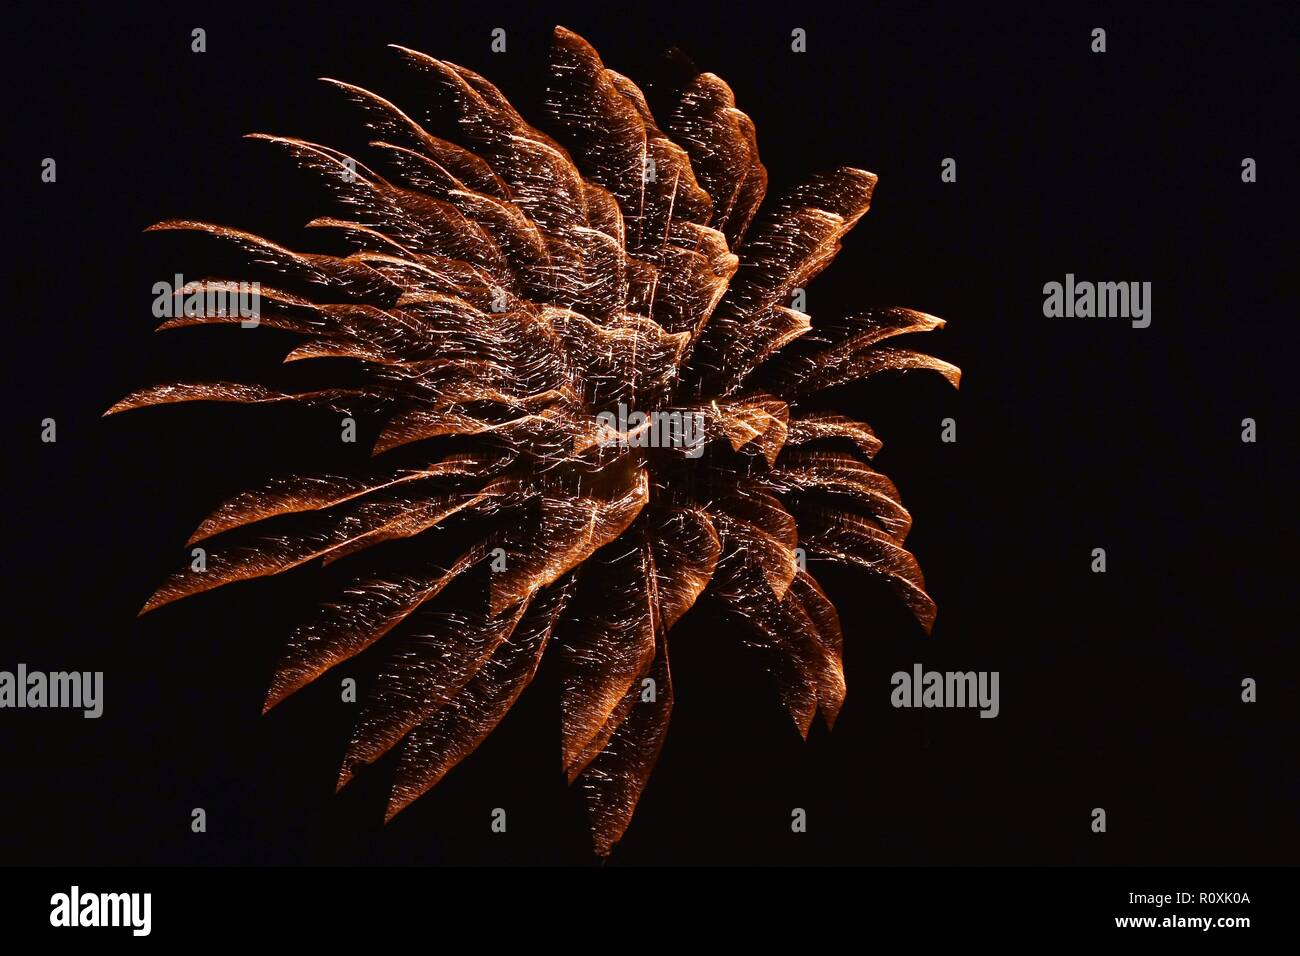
(543, 304)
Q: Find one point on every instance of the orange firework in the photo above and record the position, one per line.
(617, 365)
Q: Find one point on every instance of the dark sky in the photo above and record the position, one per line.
(1118, 690)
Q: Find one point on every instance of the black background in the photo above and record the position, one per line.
(1119, 690)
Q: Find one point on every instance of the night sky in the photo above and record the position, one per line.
(1119, 690)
